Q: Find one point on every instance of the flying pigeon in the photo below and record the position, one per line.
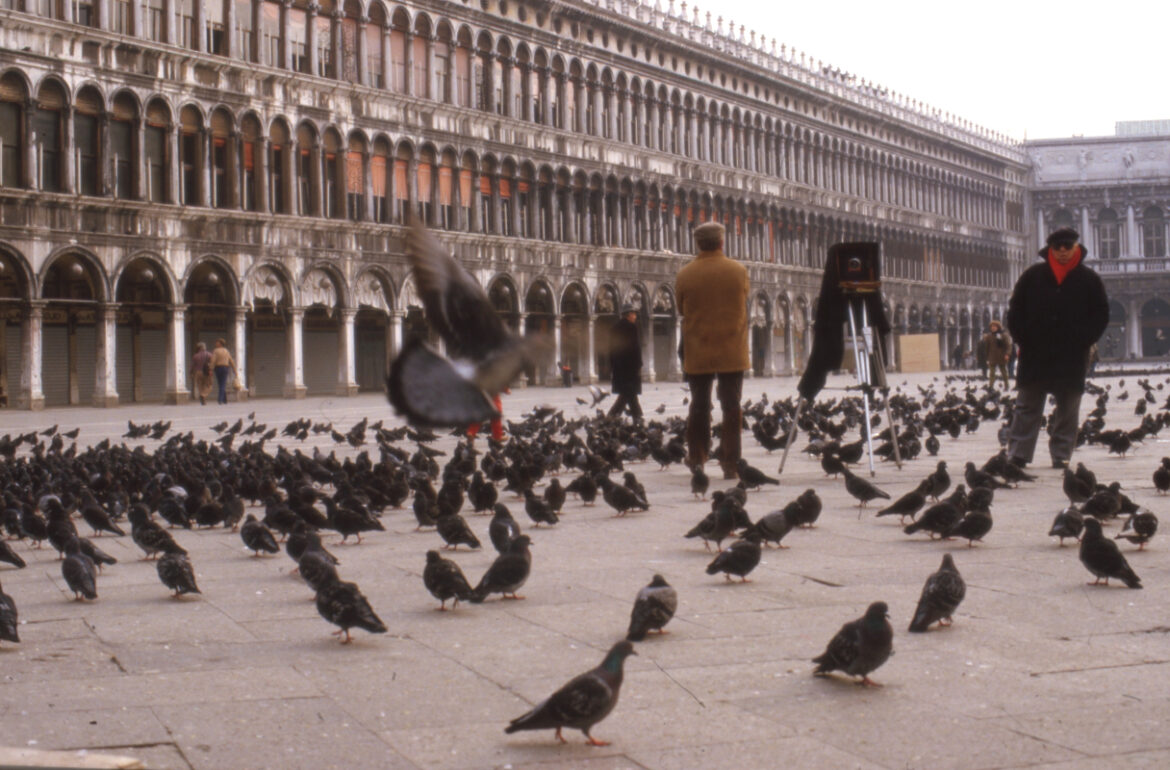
(430, 389)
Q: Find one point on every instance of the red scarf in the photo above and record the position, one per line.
(1059, 270)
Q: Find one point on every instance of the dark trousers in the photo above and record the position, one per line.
(1029, 412)
(626, 401)
(1002, 368)
(729, 390)
(221, 378)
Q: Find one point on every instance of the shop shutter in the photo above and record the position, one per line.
(55, 364)
(152, 358)
(267, 355)
(157, 114)
(86, 363)
(371, 358)
(11, 89)
(320, 364)
(89, 102)
(13, 361)
(51, 97)
(124, 364)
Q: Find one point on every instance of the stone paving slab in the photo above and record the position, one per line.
(1038, 670)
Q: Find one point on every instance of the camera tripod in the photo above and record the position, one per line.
(871, 376)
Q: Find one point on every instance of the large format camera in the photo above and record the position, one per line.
(857, 266)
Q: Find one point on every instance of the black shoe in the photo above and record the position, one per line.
(1019, 462)
(1060, 464)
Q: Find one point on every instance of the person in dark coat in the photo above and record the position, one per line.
(997, 347)
(625, 363)
(1058, 310)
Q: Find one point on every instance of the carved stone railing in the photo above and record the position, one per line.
(1131, 265)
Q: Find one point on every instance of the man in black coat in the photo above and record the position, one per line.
(1058, 310)
(625, 363)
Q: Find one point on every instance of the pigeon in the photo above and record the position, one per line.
(861, 489)
(429, 389)
(583, 702)
(1068, 523)
(344, 605)
(10, 556)
(910, 503)
(940, 480)
(977, 478)
(78, 571)
(257, 537)
(1162, 476)
(804, 510)
(455, 531)
(1076, 489)
(941, 595)
(1139, 528)
(503, 529)
(175, 572)
(1103, 558)
(938, 519)
(620, 498)
(653, 609)
(507, 573)
(443, 578)
(972, 527)
(554, 496)
(699, 482)
(9, 619)
(1104, 503)
(538, 510)
(772, 527)
(739, 558)
(317, 568)
(861, 646)
(753, 478)
(149, 536)
(99, 521)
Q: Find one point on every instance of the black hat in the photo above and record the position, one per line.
(628, 308)
(1064, 235)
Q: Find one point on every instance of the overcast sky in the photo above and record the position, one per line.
(1027, 68)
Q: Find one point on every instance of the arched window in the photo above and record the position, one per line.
(87, 113)
(398, 37)
(221, 188)
(279, 153)
(298, 31)
(331, 171)
(244, 32)
(462, 93)
(380, 168)
(401, 182)
(418, 62)
(191, 156)
(306, 145)
(12, 140)
(122, 146)
(1108, 243)
(270, 34)
(158, 129)
(349, 43)
(447, 192)
(465, 191)
(355, 180)
(250, 148)
(49, 133)
(324, 22)
(187, 31)
(441, 59)
(374, 38)
(1153, 232)
(424, 177)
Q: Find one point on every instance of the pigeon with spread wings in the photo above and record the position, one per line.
(430, 389)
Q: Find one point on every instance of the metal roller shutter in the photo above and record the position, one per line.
(267, 363)
(124, 365)
(320, 364)
(371, 359)
(13, 362)
(86, 363)
(152, 348)
(55, 365)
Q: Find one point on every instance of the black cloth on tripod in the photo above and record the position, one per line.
(828, 345)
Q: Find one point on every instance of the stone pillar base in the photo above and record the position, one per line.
(105, 401)
(348, 391)
(176, 397)
(33, 405)
(293, 391)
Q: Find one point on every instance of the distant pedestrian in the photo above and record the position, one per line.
(566, 374)
(625, 363)
(223, 364)
(1058, 310)
(712, 298)
(998, 345)
(201, 366)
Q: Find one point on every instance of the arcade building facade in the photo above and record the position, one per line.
(177, 171)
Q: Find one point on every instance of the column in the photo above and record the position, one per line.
(589, 376)
(231, 47)
(346, 360)
(556, 348)
(522, 330)
(32, 395)
(1132, 244)
(199, 34)
(429, 62)
(396, 332)
(310, 36)
(386, 54)
(176, 388)
(770, 355)
(648, 374)
(1041, 236)
(335, 47)
(362, 65)
(105, 391)
(751, 340)
(261, 148)
(240, 351)
(170, 28)
(1133, 326)
(678, 324)
(174, 169)
(294, 373)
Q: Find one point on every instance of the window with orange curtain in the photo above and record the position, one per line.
(354, 184)
(378, 172)
(462, 95)
(446, 207)
(249, 202)
(424, 191)
(397, 60)
(418, 66)
(506, 206)
(401, 194)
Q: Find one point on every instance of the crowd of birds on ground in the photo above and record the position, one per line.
(53, 492)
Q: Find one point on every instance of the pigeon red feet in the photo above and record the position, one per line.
(560, 737)
(589, 739)
(867, 682)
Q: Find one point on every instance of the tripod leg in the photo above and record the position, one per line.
(791, 435)
(873, 352)
(861, 363)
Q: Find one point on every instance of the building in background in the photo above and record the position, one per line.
(174, 171)
(1115, 191)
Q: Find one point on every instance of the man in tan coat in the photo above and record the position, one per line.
(712, 297)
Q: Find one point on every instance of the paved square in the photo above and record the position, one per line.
(1038, 668)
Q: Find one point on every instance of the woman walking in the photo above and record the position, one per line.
(223, 364)
(201, 365)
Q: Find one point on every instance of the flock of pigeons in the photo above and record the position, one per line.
(52, 493)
